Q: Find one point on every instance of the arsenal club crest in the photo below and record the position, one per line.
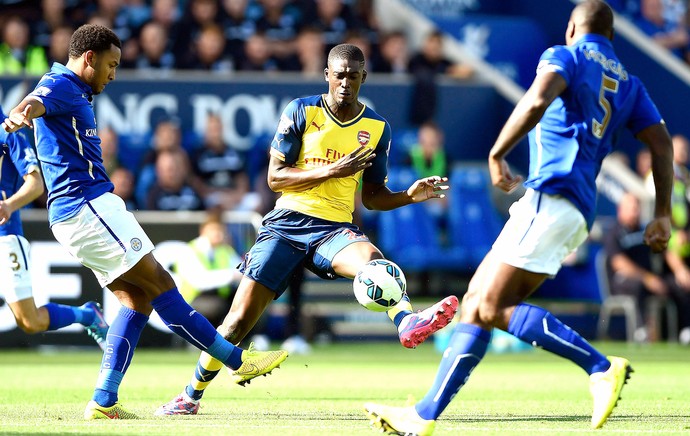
(363, 137)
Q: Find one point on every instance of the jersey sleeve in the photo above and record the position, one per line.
(287, 141)
(645, 112)
(557, 59)
(22, 153)
(53, 93)
(378, 171)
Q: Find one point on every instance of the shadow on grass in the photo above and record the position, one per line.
(357, 416)
(558, 418)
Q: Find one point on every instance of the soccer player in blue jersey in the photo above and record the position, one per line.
(324, 145)
(581, 99)
(20, 184)
(93, 224)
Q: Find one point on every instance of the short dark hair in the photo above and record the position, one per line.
(347, 52)
(596, 16)
(92, 37)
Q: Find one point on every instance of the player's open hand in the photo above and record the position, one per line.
(501, 177)
(17, 120)
(352, 163)
(429, 187)
(657, 233)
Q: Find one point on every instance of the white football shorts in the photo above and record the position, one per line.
(14, 268)
(105, 237)
(541, 231)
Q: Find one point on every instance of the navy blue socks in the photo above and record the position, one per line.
(538, 327)
(466, 349)
(121, 341)
(187, 323)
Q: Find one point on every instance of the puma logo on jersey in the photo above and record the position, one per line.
(313, 123)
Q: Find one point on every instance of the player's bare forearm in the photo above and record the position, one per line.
(527, 113)
(658, 140)
(663, 184)
(520, 122)
(379, 197)
(37, 108)
(282, 177)
(22, 114)
(30, 190)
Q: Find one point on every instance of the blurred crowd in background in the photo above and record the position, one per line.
(256, 35)
(665, 21)
(216, 36)
(219, 36)
(226, 36)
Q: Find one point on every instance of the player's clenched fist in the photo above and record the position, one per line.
(657, 234)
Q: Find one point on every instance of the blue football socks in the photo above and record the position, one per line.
(466, 349)
(122, 339)
(61, 315)
(538, 327)
(190, 325)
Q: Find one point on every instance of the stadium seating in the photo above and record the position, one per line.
(401, 142)
(473, 222)
(411, 237)
(656, 307)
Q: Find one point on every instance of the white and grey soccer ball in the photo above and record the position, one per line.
(379, 285)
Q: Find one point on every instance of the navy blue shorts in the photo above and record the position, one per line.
(288, 239)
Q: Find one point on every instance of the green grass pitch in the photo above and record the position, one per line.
(322, 393)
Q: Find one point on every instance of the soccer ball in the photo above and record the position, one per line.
(379, 285)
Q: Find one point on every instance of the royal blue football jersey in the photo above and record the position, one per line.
(67, 143)
(584, 123)
(17, 160)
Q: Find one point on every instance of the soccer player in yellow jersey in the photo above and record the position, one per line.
(323, 147)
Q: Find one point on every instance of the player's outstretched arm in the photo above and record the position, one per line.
(23, 114)
(379, 197)
(657, 138)
(527, 113)
(30, 190)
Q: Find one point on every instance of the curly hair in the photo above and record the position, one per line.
(92, 37)
(347, 52)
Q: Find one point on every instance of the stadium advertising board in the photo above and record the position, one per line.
(470, 112)
(57, 277)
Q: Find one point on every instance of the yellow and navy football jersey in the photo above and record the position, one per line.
(310, 136)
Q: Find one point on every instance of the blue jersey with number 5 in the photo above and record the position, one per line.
(583, 124)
